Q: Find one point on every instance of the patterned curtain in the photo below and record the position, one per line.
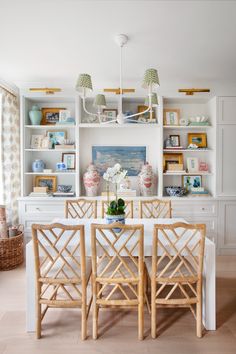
(10, 154)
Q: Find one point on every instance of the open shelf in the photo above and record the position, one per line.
(187, 127)
(56, 126)
(116, 125)
(187, 174)
(51, 150)
(186, 150)
(51, 173)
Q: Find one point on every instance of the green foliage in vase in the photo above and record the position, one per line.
(116, 207)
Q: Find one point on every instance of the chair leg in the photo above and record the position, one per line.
(38, 321)
(95, 312)
(84, 321)
(140, 310)
(199, 317)
(153, 311)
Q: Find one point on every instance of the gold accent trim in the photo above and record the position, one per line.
(47, 90)
(192, 91)
(117, 91)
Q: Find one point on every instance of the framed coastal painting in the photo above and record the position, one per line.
(131, 158)
(46, 181)
(171, 116)
(51, 116)
(192, 181)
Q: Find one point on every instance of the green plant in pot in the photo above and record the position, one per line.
(116, 208)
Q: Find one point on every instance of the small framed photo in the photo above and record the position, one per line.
(110, 113)
(69, 159)
(36, 141)
(56, 137)
(192, 181)
(46, 181)
(171, 116)
(64, 114)
(192, 164)
(199, 139)
(51, 116)
(169, 158)
(175, 140)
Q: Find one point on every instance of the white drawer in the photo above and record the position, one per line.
(200, 208)
(27, 222)
(49, 208)
(211, 223)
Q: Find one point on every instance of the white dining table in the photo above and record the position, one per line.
(208, 292)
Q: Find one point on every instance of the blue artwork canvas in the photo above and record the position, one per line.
(131, 158)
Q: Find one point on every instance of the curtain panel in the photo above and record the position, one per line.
(10, 154)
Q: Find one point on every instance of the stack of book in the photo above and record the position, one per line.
(40, 192)
(63, 194)
(199, 191)
(127, 193)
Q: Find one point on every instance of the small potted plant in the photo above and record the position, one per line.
(116, 208)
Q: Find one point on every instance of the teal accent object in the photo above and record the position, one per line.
(35, 115)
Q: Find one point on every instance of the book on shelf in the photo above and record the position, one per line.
(174, 148)
(174, 172)
(104, 194)
(63, 194)
(64, 147)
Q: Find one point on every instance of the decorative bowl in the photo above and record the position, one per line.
(173, 191)
(64, 188)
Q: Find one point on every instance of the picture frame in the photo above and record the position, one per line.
(51, 115)
(36, 141)
(46, 181)
(189, 181)
(57, 137)
(64, 114)
(110, 113)
(171, 116)
(169, 158)
(193, 164)
(175, 140)
(142, 108)
(199, 139)
(69, 159)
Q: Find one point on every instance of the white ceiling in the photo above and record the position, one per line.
(191, 43)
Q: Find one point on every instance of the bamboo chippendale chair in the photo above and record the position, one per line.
(117, 269)
(81, 208)
(176, 275)
(154, 208)
(129, 208)
(62, 270)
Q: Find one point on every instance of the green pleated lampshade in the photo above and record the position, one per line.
(84, 82)
(154, 100)
(100, 100)
(150, 78)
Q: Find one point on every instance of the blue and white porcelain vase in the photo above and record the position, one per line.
(110, 219)
(35, 115)
(38, 166)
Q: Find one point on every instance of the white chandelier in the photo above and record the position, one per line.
(150, 82)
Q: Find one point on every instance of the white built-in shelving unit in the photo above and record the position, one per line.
(87, 135)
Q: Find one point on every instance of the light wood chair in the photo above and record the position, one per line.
(129, 208)
(176, 275)
(81, 209)
(62, 270)
(155, 208)
(117, 269)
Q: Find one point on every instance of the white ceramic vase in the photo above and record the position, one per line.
(91, 181)
(146, 180)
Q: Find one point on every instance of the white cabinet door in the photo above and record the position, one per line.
(226, 164)
(227, 227)
(227, 110)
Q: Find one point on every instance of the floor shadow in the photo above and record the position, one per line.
(226, 311)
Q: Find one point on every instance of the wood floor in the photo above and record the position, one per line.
(118, 331)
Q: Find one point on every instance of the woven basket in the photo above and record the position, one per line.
(11, 252)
